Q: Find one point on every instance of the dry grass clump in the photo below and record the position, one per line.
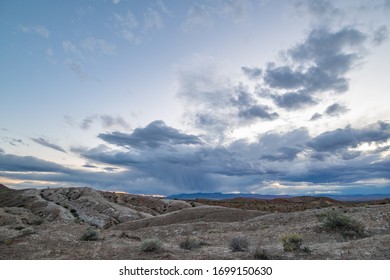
(190, 243)
(291, 242)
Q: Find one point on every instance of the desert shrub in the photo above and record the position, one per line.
(291, 242)
(190, 243)
(238, 244)
(91, 234)
(306, 250)
(74, 213)
(336, 222)
(28, 231)
(18, 227)
(150, 245)
(260, 254)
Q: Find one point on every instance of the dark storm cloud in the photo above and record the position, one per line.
(184, 169)
(344, 173)
(154, 135)
(312, 80)
(252, 73)
(335, 110)
(349, 137)
(293, 100)
(259, 111)
(27, 164)
(283, 154)
(46, 143)
(284, 77)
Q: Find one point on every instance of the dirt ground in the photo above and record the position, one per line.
(44, 229)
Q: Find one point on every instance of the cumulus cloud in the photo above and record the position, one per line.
(47, 143)
(35, 29)
(154, 135)
(316, 66)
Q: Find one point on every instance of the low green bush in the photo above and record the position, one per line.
(334, 221)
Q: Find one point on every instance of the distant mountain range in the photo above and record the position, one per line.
(221, 196)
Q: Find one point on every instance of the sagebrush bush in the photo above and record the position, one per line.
(190, 243)
(150, 245)
(238, 244)
(291, 242)
(91, 234)
(336, 222)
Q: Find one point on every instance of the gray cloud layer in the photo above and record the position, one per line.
(153, 135)
(166, 160)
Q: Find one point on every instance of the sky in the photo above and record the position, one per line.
(175, 96)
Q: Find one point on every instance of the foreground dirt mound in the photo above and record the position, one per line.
(191, 215)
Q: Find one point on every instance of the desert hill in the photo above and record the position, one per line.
(83, 223)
